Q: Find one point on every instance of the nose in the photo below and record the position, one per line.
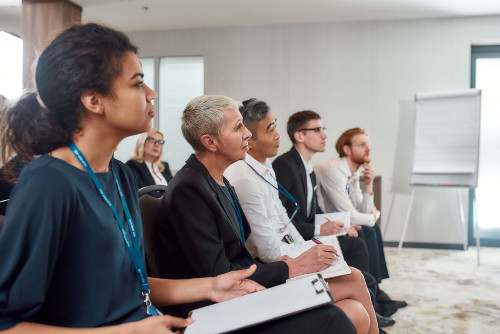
(150, 93)
(246, 133)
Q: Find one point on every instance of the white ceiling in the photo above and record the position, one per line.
(130, 15)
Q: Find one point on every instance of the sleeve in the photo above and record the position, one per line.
(285, 176)
(263, 234)
(362, 201)
(333, 187)
(30, 243)
(196, 230)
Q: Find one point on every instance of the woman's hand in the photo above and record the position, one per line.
(158, 324)
(233, 284)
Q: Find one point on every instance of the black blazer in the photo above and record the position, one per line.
(291, 173)
(198, 231)
(144, 177)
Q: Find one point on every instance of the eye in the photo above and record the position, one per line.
(139, 83)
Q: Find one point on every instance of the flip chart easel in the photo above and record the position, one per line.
(446, 147)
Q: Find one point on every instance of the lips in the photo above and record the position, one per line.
(151, 113)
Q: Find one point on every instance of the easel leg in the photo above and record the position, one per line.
(462, 217)
(476, 225)
(406, 220)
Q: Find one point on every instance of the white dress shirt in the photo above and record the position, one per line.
(262, 207)
(157, 175)
(339, 190)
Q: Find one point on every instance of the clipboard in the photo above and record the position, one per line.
(255, 308)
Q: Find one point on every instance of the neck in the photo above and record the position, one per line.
(87, 142)
(149, 159)
(259, 158)
(304, 152)
(215, 167)
(353, 166)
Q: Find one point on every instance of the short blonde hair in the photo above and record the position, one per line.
(139, 149)
(204, 115)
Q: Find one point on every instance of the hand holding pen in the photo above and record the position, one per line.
(316, 241)
(330, 227)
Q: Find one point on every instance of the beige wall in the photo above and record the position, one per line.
(353, 74)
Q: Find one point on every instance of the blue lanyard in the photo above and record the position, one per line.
(235, 207)
(132, 247)
(282, 190)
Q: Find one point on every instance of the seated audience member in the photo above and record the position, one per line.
(9, 174)
(65, 266)
(294, 171)
(258, 191)
(339, 190)
(203, 230)
(146, 162)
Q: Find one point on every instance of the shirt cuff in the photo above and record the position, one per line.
(317, 229)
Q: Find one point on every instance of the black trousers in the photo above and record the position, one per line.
(355, 252)
(376, 256)
(325, 319)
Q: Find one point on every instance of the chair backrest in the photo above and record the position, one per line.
(150, 207)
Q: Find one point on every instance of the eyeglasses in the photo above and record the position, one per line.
(155, 141)
(317, 130)
(362, 145)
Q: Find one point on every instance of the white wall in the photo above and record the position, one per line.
(353, 74)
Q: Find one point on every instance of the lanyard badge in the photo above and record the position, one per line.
(133, 244)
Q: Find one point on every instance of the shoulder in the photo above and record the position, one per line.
(58, 179)
(237, 171)
(49, 171)
(333, 169)
(188, 182)
(134, 164)
(283, 160)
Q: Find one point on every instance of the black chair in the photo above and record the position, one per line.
(149, 202)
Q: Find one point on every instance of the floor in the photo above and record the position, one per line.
(445, 289)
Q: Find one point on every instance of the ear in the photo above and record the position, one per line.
(92, 101)
(347, 150)
(210, 142)
(299, 136)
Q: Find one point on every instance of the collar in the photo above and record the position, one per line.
(262, 168)
(307, 165)
(350, 176)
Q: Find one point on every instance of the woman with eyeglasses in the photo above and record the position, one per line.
(146, 162)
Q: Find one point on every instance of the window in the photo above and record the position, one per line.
(486, 76)
(181, 79)
(11, 65)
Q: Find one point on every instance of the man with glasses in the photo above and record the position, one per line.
(295, 173)
(339, 190)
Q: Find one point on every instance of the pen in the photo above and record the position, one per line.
(327, 219)
(320, 243)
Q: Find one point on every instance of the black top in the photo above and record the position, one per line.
(63, 259)
(143, 174)
(199, 233)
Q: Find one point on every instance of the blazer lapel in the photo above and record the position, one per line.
(221, 198)
(303, 180)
